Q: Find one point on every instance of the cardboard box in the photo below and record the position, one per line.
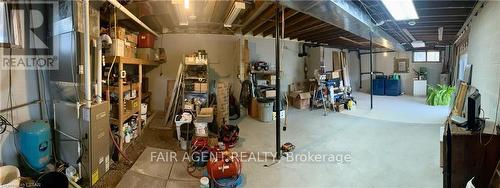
(299, 99)
(262, 82)
(336, 74)
(253, 109)
(339, 107)
(272, 80)
(120, 33)
(117, 48)
(205, 115)
(201, 87)
(129, 50)
(147, 54)
(270, 93)
(296, 87)
(132, 38)
(222, 97)
(132, 104)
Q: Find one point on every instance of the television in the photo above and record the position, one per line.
(473, 111)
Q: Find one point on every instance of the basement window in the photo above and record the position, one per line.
(426, 56)
(4, 32)
(11, 26)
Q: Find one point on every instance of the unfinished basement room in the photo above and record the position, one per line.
(249, 93)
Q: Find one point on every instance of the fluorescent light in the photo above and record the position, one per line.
(440, 33)
(235, 11)
(401, 9)
(408, 34)
(418, 44)
(186, 4)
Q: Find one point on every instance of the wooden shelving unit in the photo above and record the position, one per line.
(123, 114)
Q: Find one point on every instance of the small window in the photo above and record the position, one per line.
(426, 56)
(4, 32)
(419, 56)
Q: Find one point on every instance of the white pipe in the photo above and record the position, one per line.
(86, 55)
(99, 71)
(129, 14)
(100, 62)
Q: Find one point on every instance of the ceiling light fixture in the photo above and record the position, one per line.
(409, 34)
(418, 44)
(440, 33)
(401, 9)
(380, 23)
(186, 4)
(235, 11)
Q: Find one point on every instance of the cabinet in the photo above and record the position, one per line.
(420, 88)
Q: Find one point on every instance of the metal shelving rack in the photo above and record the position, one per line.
(189, 81)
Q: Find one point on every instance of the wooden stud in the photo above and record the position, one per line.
(139, 95)
(121, 112)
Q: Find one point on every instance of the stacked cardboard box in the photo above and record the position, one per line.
(299, 97)
(272, 80)
(222, 103)
(132, 38)
(201, 87)
(130, 50)
(120, 33)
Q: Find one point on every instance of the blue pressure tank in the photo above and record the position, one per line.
(35, 143)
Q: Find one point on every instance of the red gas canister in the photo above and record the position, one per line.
(146, 40)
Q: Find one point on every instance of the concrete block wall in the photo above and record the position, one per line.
(484, 55)
(224, 54)
(384, 62)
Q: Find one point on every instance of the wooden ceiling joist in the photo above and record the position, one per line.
(322, 31)
(261, 19)
(298, 18)
(268, 25)
(307, 30)
(251, 16)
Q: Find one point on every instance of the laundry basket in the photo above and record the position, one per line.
(10, 177)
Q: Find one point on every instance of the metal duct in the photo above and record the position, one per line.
(347, 16)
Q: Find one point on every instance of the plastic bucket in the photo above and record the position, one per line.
(9, 178)
(144, 108)
(183, 144)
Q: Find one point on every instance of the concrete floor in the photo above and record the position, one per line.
(382, 153)
(406, 109)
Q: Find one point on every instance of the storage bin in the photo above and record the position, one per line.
(378, 86)
(392, 87)
(146, 40)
